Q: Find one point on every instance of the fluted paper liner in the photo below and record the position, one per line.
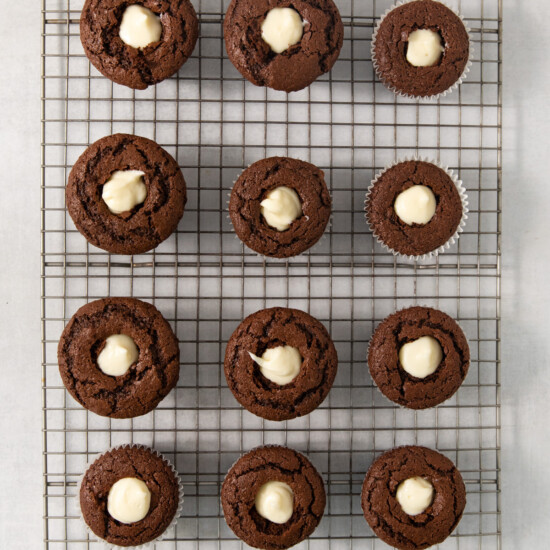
(463, 199)
(147, 545)
(431, 98)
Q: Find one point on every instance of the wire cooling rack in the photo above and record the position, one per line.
(205, 282)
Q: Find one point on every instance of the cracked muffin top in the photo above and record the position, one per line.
(126, 194)
(138, 43)
(312, 45)
(275, 191)
(118, 357)
(143, 466)
(417, 237)
(389, 513)
(280, 363)
(252, 474)
(406, 378)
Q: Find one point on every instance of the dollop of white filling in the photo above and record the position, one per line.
(280, 364)
(118, 355)
(124, 190)
(415, 495)
(417, 204)
(421, 357)
(275, 502)
(282, 28)
(139, 27)
(424, 48)
(129, 500)
(281, 207)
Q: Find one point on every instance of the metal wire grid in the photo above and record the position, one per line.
(205, 282)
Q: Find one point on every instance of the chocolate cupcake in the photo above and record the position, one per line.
(126, 194)
(418, 357)
(283, 44)
(421, 49)
(138, 43)
(413, 497)
(280, 206)
(118, 357)
(280, 363)
(130, 496)
(416, 208)
(273, 498)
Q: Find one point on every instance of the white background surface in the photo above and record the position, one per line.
(526, 261)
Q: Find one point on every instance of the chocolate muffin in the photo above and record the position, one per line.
(141, 50)
(254, 46)
(448, 352)
(416, 65)
(299, 363)
(401, 235)
(385, 513)
(308, 200)
(138, 215)
(247, 479)
(97, 495)
(89, 357)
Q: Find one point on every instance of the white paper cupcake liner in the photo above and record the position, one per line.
(463, 199)
(368, 351)
(146, 545)
(431, 98)
(273, 258)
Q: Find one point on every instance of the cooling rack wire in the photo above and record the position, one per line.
(205, 282)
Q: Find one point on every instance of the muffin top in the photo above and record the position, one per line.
(254, 206)
(138, 43)
(294, 483)
(394, 42)
(126, 194)
(406, 378)
(118, 357)
(385, 510)
(149, 478)
(315, 37)
(418, 236)
(280, 363)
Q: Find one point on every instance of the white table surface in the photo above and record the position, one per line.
(526, 294)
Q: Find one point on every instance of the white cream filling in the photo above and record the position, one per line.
(275, 502)
(421, 357)
(282, 28)
(417, 204)
(118, 355)
(124, 190)
(280, 364)
(129, 500)
(139, 27)
(415, 495)
(281, 207)
(424, 48)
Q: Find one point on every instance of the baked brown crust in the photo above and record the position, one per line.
(145, 384)
(129, 461)
(149, 223)
(384, 513)
(245, 478)
(278, 327)
(132, 67)
(250, 190)
(406, 326)
(298, 66)
(390, 48)
(415, 239)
